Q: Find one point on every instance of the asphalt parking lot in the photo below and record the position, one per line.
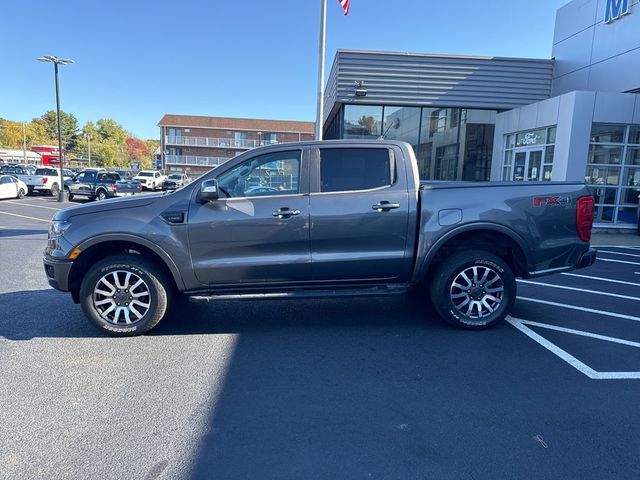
(344, 388)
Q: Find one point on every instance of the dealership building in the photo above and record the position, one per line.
(573, 117)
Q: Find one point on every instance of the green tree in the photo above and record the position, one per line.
(69, 127)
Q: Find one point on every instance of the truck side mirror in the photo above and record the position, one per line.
(208, 191)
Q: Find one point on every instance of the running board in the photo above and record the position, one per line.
(304, 293)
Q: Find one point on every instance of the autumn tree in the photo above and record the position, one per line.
(136, 149)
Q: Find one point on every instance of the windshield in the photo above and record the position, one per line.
(175, 177)
(145, 174)
(46, 171)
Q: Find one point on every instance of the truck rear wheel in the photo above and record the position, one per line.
(473, 289)
(125, 295)
(55, 189)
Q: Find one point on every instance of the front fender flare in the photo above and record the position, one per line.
(127, 237)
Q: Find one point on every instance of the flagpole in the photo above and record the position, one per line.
(323, 30)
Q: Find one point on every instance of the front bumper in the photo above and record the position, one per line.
(57, 272)
(587, 259)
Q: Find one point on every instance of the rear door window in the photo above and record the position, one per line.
(349, 169)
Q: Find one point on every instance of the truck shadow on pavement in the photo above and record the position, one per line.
(18, 232)
(48, 313)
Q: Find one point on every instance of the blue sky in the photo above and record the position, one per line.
(138, 59)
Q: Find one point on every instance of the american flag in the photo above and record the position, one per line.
(345, 6)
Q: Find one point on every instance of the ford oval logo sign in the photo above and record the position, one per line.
(617, 9)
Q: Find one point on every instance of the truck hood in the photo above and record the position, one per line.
(106, 205)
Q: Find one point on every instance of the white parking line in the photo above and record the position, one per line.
(575, 289)
(582, 309)
(610, 280)
(617, 261)
(35, 206)
(582, 333)
(567, 357)
(620, 253)
(24, 216)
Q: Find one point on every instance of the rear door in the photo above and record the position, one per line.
(255, 233)
(360, 214)
(87, 185)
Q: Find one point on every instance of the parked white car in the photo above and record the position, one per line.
(12, 187)
(150, 179)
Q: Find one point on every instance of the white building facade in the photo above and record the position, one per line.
(589, 130)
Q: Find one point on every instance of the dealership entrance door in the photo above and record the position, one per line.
(527, 165)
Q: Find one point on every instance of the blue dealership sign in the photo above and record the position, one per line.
(617, 9)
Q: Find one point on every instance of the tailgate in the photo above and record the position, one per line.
(128, 186)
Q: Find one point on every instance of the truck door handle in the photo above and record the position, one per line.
(285, 212)
(385, 206)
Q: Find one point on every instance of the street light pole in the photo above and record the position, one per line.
(89, 142)
(58, 61)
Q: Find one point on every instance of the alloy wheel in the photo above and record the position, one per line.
(477, 292)
(121, 297)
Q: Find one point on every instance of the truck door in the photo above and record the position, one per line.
(258, 230)
(360, 214)
(88, 184)
(74, 184)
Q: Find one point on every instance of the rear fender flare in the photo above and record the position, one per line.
(422, 270)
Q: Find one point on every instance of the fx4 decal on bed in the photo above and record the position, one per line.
(550, 201)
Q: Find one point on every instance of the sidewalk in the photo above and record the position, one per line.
(621, 239)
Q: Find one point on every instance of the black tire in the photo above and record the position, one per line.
(69, 194)
(486, 310)
(155, 281)
(20, 193)
(101, 195)
(55, 189)
(29, 190)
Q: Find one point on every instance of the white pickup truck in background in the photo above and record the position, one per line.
(47, 180)
(150, 179)
(43, 179)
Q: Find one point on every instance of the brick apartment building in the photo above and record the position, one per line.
(195, 144)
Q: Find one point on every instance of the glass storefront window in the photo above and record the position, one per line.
(617, 169)
(629, 196)
(532, 155)
(511, 141)
(402, 123)
(633, 156)
(551, 135)
(631, 177)
(605, 154)
(627, 215)
(603, 133)
(450, 143)
(599, 175)
(362, 121)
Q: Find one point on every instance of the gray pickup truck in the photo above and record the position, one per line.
(317, 219)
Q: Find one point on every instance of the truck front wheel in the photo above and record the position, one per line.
(473, 289)
(124, 295)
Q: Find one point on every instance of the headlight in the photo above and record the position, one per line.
(57, 228)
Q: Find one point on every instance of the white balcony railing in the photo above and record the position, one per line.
(195, 160)
(216, 142)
